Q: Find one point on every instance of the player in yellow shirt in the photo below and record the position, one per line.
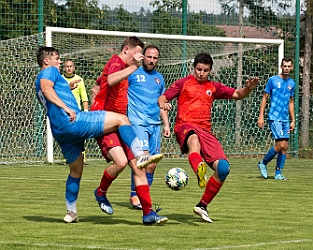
(78, 88)
(77, 84)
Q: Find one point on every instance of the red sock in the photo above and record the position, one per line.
(211, 190)
(143, 192)
(105, 183)
(194, 160)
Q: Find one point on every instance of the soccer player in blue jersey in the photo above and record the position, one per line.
(146, 85)
(70, 127)
(280, 88)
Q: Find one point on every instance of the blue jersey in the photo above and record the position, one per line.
(69, 134)
(280, 92)
(57, 115)
(143, 92)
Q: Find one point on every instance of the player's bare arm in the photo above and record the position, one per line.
(292, 114)
(49, 92)
(163, 104)
(166, 124)
(251, 83)
(120, 75)
(262, 108)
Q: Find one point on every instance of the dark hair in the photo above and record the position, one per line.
(151, 46)
(44, 52)
(204, 58)
(286, 59)
(132, 41)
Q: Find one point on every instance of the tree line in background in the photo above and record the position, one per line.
(20, 17)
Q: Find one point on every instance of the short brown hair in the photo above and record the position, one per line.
(45, 52)
(132, 41)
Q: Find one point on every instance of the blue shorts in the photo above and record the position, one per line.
(71, 136)
(149, 137)
(279, 129)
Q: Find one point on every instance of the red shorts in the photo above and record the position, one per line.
(211, 149)
(112, 140)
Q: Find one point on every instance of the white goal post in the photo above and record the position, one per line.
(72, 41)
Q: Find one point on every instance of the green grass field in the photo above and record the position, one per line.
(248, 213)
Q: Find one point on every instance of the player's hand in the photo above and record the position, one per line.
(251, 83)
(74, 83)
(292, 126)
(260, 122)
(167, 131)
(71, 113)
(138, 57)
(165, 106)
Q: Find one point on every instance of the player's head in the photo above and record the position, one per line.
(129, 48)
(69, 67)
(151, 57)
(202, 64)
(286, 66)
(48, 56)
(285, 60)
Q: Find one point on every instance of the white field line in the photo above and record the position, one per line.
(63, 179)
(256, 245)
(119, 248)
(63, 245)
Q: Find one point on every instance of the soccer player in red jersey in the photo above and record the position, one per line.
(195, 95)
(113, 97)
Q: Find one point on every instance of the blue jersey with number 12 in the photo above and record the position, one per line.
(143, 92)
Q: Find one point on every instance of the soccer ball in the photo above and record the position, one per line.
(176, 178)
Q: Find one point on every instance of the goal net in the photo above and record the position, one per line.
(25, 137)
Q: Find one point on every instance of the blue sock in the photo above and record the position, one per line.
(269, 156)
(149, 178)
(132, 185)
(281, 159)
(130, 139)
(71, 192)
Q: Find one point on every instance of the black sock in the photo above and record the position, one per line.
(200, 204)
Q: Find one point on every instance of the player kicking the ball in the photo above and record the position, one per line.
(71, 127)
(113, 97)
(195, 95)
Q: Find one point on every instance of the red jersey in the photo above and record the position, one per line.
(112, 98)
(195, 100)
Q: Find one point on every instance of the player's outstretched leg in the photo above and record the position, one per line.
(203, 213)
(154, 218)
(201, 175)
(70, 217)
(146, 159)
(104, 203)
(134, 200)
(149, 215)
(281, 158)
(71, 194)
(263, 169)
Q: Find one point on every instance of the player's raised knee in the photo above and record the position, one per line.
(223, 169)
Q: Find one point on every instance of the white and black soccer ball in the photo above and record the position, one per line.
(176, 178)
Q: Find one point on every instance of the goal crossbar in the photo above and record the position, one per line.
(51, 30)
